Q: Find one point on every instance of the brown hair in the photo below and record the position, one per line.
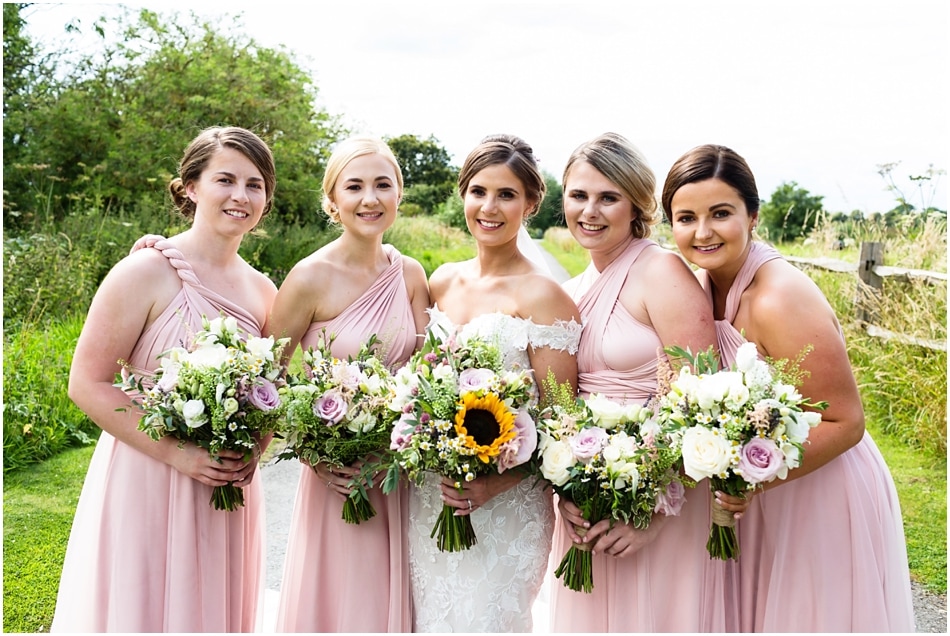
(513, 152)
(203, 147)
(711, 161)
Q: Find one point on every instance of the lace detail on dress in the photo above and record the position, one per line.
(492, 586)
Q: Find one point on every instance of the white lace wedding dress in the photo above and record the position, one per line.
(492, 586)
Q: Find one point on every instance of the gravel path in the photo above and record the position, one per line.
(280, 486)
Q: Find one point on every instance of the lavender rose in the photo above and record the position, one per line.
(588, 442)
(760, 460)
(331, 406)
(264, 396)
(475, 380)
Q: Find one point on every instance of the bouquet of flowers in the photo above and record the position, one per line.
(338, 413)
(221, 394)
(613, 461)
(740, 427)
(461, 415)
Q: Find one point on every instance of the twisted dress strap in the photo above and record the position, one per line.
(177, 260)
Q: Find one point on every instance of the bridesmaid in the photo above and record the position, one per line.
(341, 577)
(147, 552)
(822, 551)
(635, 298)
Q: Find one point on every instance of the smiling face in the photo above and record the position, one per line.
(597, 212)
(495, 205)
(711, 225)
(366, 194)
(230, 192)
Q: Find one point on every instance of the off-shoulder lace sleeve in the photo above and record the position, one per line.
(562, 335)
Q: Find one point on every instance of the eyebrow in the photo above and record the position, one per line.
(225, 173)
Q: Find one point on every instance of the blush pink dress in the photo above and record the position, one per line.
(341, 577)
(671, 584)
(825, 552)
(147, 551)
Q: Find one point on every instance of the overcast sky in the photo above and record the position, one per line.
(816, 92)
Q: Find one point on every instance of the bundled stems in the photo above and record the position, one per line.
(227, 497)
(357, 508)
(576, 569)
(722, 543)
(455, 533)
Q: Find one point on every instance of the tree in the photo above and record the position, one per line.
(551, 212)
(426, 170)
(118, 122)
(791, 212)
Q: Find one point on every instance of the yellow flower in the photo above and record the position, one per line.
(483, 424)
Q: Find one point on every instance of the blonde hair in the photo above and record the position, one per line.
(345, 152)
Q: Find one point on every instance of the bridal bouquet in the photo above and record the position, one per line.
(337, 413)
(461, 415)
(221, 394)
(613, 461)
(740, 428)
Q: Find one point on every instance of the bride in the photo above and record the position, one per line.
(501, 294)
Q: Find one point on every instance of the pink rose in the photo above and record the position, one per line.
(519, 450)
(760, 460)
(264, 396)
(670, 501)
(331, 406)
(588, 442)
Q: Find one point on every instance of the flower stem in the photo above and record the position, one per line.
(455, 534)
(357, 508)
(227, 497)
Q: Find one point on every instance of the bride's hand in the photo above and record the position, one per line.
(477, 493)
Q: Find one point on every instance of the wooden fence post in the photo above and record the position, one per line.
(872, 255)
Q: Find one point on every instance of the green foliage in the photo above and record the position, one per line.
(791, 212)
(104, 130)
(426, 170)
(429, 242)
(925, 184)
(39, 419)
(551, 212)
(38, 507)
(279, 246)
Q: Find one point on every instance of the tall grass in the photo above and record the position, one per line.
(429, 241)
(39, 419)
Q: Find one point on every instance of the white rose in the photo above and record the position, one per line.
(607, 413)
(194, 413)
(556, 462)
(706, 453)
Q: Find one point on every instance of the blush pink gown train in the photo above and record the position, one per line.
(825, 552)
(341, 577)
(147, 551)
(671, 584)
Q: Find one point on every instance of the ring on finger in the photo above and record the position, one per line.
(469, 503)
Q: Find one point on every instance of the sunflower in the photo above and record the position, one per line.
(484, 424)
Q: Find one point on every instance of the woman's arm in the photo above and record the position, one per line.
(129, 299)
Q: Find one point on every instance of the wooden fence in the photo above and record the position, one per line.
(871, 270)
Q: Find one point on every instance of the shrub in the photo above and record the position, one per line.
(39, 419)
(429, 241)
